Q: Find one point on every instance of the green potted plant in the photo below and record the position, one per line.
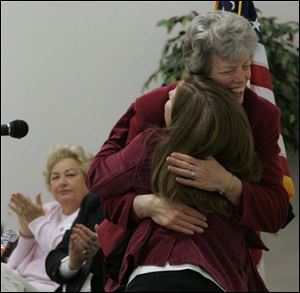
(283, 58)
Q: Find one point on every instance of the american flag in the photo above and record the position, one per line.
(260, 81)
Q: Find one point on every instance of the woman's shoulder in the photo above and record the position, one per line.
(152, 134)
(259, 106)
(54, 209)
(90, 209)
(150, 106)
(51, 206)
(264, 119)
(91, 201)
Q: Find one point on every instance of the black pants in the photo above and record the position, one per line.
(172, 281)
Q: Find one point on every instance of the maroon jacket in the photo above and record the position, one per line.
(223, 249)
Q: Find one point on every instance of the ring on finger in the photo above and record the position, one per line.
(192, 175)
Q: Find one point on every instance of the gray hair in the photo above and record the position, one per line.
(67, 151)
(220, 33)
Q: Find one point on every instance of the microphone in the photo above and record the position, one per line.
(16, 129)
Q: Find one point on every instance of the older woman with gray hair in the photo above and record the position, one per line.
(219, 46)
(42, 226)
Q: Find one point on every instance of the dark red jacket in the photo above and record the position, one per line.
(223, 249)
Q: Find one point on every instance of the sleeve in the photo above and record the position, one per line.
(121, 167)
(21, 252)
(119, 210)
(55, 257)
(265, 204)
(64, 268)
(119, 190)
(46, 234)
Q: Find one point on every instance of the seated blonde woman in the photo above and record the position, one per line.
(42, 226)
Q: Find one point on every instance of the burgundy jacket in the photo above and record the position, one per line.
(223, 250)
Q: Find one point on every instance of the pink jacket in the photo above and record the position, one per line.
(28, 258)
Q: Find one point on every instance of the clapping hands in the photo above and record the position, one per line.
(83, 245)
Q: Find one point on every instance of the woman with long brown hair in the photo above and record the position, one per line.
(202, 120)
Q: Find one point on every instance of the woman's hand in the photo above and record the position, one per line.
(168, 214)
(26, 211)
(83, 245)
(207, 174)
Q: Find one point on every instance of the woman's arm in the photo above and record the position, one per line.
(129, 209)
(168, 214)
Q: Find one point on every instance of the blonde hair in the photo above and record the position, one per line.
(66, 151)
(206, 121)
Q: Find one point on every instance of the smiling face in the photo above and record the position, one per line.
(67, 184)
(232, 74)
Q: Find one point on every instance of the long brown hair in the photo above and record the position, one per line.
(206, 121)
